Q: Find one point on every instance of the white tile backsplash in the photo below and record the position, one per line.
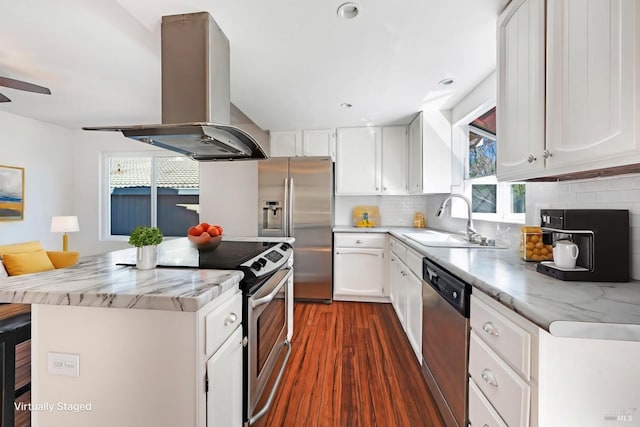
(394, 210)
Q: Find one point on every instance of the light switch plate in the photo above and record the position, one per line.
(63, 364)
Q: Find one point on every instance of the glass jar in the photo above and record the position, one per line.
(535, 244)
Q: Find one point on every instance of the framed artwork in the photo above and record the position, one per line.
(11, 193)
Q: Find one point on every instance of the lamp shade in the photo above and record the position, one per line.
(64, 224)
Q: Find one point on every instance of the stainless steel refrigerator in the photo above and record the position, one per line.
(295, 199)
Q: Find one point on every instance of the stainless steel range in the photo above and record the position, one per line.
(267, 290)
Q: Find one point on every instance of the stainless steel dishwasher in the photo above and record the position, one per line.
(445, 340)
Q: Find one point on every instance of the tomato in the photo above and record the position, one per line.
(205, 237)
(213, 230)
(193, 231)
(219, 228)
(205, 225)
(200, 230)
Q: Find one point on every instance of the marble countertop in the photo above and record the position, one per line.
(96, 281)
(599, 310)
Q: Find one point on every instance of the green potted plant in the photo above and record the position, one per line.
(146, 240)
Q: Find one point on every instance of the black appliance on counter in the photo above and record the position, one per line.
(602, 236)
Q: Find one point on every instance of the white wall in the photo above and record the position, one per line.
(229, 196)
(46, 153)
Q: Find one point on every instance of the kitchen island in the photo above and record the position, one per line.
(113, 345)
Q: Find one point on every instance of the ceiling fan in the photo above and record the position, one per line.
(20, 85)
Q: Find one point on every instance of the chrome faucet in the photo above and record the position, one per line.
(472, 235)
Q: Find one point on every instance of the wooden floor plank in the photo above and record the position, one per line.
(351, 365)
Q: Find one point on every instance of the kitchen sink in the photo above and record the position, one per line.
(440, 239)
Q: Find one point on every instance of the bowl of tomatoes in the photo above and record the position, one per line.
(205, 236)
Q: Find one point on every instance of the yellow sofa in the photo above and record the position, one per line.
(30, 257)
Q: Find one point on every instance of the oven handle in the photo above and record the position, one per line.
(268, 298)
(272, 393)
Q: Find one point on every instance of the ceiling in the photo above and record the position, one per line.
(292, 62)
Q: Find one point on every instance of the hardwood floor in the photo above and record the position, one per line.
(351, 365)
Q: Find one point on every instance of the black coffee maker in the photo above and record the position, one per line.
(602, 236)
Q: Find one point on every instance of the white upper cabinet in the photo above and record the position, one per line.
(372, 160)
(319, 142)
(521, 100)
(592, 67)
(295, 143)
(358, 160)
(593, 76)
(415, 155)
(395, 157)
(430, 153)
(285, 143)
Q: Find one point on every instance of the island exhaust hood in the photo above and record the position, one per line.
(196, 107)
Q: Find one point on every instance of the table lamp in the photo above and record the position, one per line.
(64, 224)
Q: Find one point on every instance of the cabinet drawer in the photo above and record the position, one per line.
(507, 392)
(505, 337)
(398, 248)
(359, 240)
(221, 322)
(481, 413)
(414, 262)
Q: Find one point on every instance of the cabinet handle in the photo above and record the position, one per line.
(384, 188)
(377, 188)
(358, 241)
(490, 329)
(546, 154)
(489, 377)
(230, 319)
(531, 158)
(404, 273)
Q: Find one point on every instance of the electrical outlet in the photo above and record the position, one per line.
(63, 364)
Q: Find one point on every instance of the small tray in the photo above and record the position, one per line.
(552, 264)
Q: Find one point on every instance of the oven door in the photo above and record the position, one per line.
(267, 324)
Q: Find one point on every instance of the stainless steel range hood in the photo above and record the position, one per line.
(196, 107)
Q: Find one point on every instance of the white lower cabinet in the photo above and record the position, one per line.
(396, 290)
(508, 393)
(224, 374)
(502, 376)
(358, 266)
(414, 313)
(406, 293)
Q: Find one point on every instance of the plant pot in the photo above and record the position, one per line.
(147, 257)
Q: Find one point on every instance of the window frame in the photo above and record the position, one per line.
(104, 211)
(461, 182)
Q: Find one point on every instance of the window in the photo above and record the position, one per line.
(153, 190)
(490, 200)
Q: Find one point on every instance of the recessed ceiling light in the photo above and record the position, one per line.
(348, 10)
(446, 82)
(346, 105)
